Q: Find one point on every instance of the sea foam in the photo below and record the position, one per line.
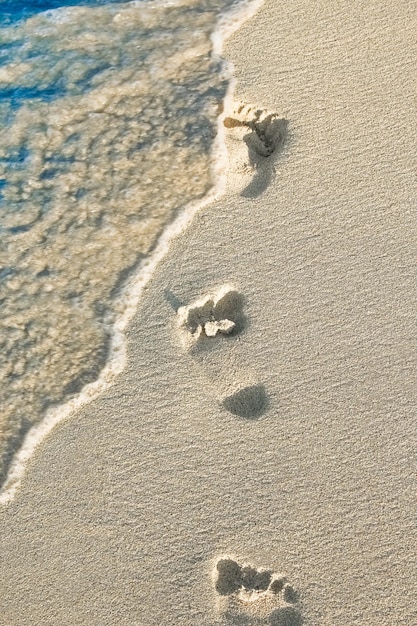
(111, 140)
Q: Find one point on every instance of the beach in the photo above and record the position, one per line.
(254, 462)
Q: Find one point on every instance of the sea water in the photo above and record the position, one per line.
(108, 123)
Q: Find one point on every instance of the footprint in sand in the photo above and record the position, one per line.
(264, 134)
(253, 596)
(212, 317)
(205, 323)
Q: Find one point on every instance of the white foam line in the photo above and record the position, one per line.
(117, 360)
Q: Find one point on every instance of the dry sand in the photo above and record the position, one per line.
(128, 506)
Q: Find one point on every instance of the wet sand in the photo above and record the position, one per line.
(261, 473)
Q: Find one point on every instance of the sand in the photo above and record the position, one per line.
(160, 503)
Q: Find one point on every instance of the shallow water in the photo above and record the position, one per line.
(108, 115)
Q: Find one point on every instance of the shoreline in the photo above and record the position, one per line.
(132, 291)
(162, 501)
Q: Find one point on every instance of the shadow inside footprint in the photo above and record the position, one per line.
(212, 319)
(230, 307)
(229, 578)
(255, 596)
(254, 580)
(250, 402)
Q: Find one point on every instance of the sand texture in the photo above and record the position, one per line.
(255, 462)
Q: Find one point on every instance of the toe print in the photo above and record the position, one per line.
(250, 402)
(212, 317)
(251, 595)
(264, 126)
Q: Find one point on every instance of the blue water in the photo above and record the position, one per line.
(108, 114)
(14, 10)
